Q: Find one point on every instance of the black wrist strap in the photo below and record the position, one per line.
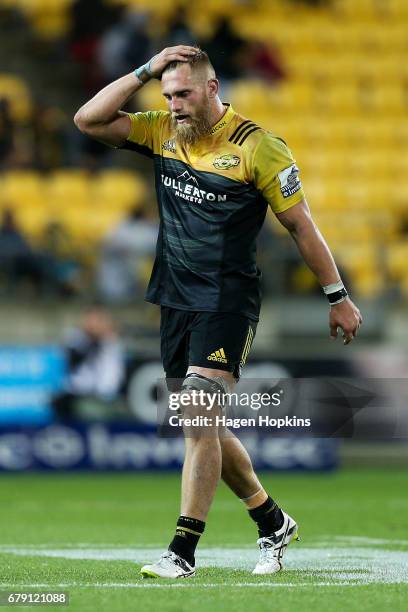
(337, 296)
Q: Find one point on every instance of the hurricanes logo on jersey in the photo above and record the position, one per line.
(218, 356)
(224, 162)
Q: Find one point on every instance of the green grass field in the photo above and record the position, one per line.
(89, 534)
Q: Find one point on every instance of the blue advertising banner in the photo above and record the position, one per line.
(28, 377)
(101, 446)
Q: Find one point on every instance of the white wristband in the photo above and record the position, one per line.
(333, 287)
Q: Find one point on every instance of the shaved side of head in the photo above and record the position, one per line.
(200, 66)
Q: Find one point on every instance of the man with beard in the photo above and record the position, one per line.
(216, 173)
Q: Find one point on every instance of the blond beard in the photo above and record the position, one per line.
(187, 134)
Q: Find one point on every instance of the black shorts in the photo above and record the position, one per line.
(217, 340)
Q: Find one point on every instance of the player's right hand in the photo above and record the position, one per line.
(180, 53)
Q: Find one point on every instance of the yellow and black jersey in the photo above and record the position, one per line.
(213, 198)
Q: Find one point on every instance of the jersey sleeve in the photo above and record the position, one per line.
(276, 175)
(144, 131)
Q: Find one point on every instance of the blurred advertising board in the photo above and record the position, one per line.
(28, 377)
(102, 446)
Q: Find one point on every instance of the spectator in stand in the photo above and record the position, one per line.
(263, 61)
(49, 137)
(62, 259)
(125, 44)
(6, 134)
(45, 270)
(18, 261)
(95, 362)
(89, 21)
(234, 56)
(178, 30)
(126, 251)
(225, 48)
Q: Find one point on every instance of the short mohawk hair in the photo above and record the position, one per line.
(199, 60)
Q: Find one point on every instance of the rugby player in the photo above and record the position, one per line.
(216, 173)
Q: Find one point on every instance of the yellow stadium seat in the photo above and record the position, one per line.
(369, 284)
(399, 132)
(317, 194)
(158, 8)
(354, 227)
(151, 98)
(249, 97)
(339, 98)
(358, 257)
(331, 194)
(360, 132)
(325, 68)
(91, 224)
(88, 223)
(397, 199)
(68, 188)
(49, 18)
(22, 189)
(118, 189)
(255, 98)
(303, 66)
(361, 263)
(370, 164)
(387, 67)
(103, 222)
(14, 89)
(398, 9)
(385, 224)
(33, 220)
(76, 222)
(303, 94)
(251, 27)
(351, 8)
(397, 36)
(397, 260)
(323, 132)
(323, 164)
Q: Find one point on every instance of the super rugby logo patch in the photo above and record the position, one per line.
(224, 162)
(289, 181)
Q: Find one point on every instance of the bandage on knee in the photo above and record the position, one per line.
(211, 386)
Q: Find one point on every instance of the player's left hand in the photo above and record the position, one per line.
(347, 317)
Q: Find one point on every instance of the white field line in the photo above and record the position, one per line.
(324, 565)
(361, 540)
(324, 540)
(172, 585)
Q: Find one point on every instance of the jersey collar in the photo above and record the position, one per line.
(224, 121)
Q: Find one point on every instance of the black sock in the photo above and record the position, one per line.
(268, 517)
(188, 532)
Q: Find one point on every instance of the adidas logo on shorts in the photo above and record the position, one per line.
(218, 356)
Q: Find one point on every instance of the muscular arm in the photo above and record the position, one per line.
(101, 117)
(316, 254)
(311, 244)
